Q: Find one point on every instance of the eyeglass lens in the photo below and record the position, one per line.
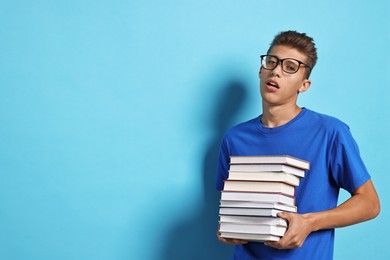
(288, 65)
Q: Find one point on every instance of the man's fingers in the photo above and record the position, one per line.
(235, 241)
(231, 241)
(286, 215)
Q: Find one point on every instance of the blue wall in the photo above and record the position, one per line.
(112, 111)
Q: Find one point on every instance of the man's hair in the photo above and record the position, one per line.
(299, 41)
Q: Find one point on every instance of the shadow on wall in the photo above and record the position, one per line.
(195, 238)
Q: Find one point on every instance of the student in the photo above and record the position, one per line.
(284, 128)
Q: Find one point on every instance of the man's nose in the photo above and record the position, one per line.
(278, 69)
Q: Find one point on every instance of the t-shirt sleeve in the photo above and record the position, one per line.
(222, 166)
(346, 165)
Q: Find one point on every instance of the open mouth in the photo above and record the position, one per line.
(272, 84)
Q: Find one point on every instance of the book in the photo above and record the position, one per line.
(259, 186)
(271, 159)
(255, 204)
(249, 212)
(258, 196)
(267, 168)
(254, 220)
(252, 229)
(265, 176)
(250, 237)
(256, 190)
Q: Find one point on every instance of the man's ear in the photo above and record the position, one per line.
(305, 86)
(260, 71)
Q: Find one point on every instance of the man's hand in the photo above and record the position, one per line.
(230, 241)
(299, 227)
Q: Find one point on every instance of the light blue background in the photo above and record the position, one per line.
(112, 112)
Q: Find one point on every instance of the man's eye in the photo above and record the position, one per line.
(290, 66)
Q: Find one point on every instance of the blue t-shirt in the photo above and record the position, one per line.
(335, 163)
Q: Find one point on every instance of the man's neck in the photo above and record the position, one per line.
(278, 115)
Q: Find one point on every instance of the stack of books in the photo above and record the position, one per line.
(257, 189)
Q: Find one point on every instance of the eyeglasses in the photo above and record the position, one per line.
(289, 65)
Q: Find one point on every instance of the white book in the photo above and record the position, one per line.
(265, 176)
(252, 229)
(259, 186)
(254, 220)
(249, 212)
(271, 159)
(250, 237)
(258, 196)
(255, 204)
(267, 168)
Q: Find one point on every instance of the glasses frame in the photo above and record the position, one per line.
(281, 63)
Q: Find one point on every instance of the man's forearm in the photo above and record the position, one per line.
(362, 206)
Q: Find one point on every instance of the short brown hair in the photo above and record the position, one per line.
(299, 41)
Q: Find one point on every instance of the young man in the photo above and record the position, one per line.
(287, 129)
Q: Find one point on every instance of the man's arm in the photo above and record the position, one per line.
(362, 206)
